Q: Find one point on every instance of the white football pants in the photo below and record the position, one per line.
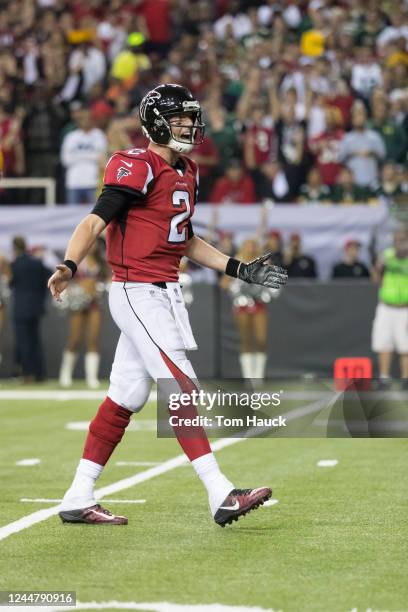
(150, 346)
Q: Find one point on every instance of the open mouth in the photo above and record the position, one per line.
(185, 137)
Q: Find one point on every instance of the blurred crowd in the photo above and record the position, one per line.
(304, 100)
(290, 254)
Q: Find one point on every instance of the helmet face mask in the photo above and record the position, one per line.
(186, 134)
(162, 111)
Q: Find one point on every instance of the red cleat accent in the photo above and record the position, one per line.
(94, 515)
(239, 502)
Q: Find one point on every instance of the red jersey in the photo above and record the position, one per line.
(146, 243)
(206, 149)
(327, 146)
(157, 16)
(241, 192)
(265, 143)
(7, 156)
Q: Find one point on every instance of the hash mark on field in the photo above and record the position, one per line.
(327, 463)
(24, 462)
(43, 500)
(270, 502)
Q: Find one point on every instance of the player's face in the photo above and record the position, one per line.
(181, 127)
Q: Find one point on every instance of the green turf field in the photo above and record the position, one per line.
(337, 540)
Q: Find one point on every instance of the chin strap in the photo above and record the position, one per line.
(180, 147)
(173, 144)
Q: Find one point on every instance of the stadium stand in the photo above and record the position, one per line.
(294, 84)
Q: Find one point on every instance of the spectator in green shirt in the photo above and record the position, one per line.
(371, 25)
(392, 134)
(390, 327)
(346, 191)
(390, 185)
(224, 132)
(313, 191)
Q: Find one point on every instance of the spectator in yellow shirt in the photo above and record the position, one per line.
(129, 62)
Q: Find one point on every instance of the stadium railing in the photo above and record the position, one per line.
(49, 184)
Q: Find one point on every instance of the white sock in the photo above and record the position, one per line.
(81, 492)
(67, 368)
(91, 369)
(260, 363)
(217, 485)
(246, 360)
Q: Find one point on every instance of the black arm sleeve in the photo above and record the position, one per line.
(114, 200)
(190, 231)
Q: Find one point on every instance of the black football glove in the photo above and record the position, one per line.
(261, 273)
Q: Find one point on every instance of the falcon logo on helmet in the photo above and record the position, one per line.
(160, 105)
(148, 100)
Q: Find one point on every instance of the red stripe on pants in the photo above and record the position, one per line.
(193, 440)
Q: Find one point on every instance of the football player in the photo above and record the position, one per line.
(146, 204)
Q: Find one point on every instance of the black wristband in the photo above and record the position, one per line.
(232, 267)
(71, 265)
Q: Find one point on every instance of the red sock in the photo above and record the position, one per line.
(105, 431)
(193, 440)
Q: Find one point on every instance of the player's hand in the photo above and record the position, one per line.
(59, 281)
(261, 273)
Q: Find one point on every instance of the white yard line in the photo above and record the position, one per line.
(327, 463)
(162, 606)
(270, 502)
(43, 500)
(135, 425)
(166, 466)
(27, 521)
(24, 462)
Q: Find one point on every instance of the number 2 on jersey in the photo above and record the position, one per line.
(178, 198)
